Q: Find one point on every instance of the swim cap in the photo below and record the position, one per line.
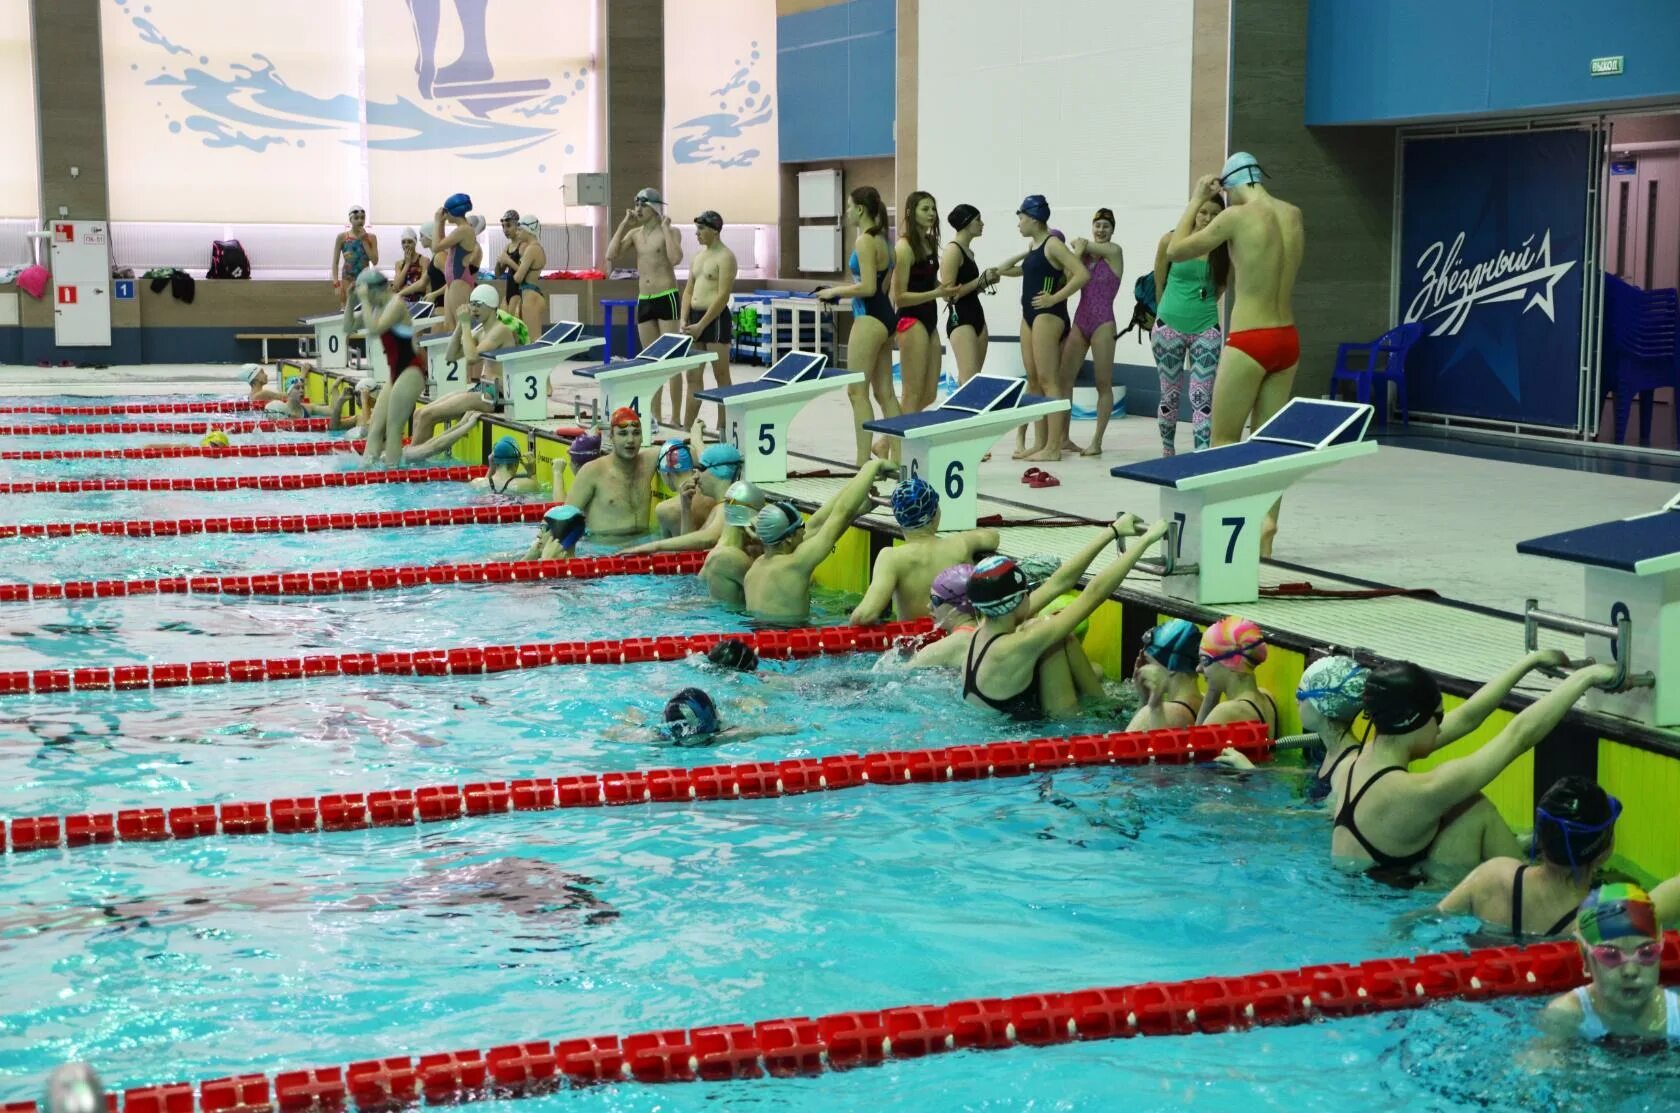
(997, 586)
(624, 415)
(962, 216)
(710, 219)
(73, 1088)
(427, 231)
(368, 385)
(409, 235)
(1241, 169)
(649, 196)
(722, 460)
(1574, 822)
(1174, 645)
(1035, 206)
(915, 503)
(689, 713)
(511, 215)
(733, 653)
(1038, 567)
(252, 370)
(506, 448)
(777, 522)
(485, 294)
(372, 277)
(741, 502)
(1103, 214)
(1617, 912)
(477, 222)
(950, 588)
(215, 438)
(676, 457)
(530, 223)
(1234, 642)
(459, 204)
(1335, 686)
(566, 523)
(584, 449)
(1400, 697)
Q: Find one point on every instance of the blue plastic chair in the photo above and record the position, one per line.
(1384, 362)
(1640, 352)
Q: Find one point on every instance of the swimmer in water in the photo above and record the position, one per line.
(557, 537)
(953, 613)
(725, 570)
(353, 252)
(905, 573)
(386, 320)
(692, 719)
(1231, 650)
(582, 450)
(256, 377)
(1165, 674)
(701, 497)
(690, 507)
(1574, 833)
(778, 585)
(1625, 1004)
(508, 473)
(616, 490)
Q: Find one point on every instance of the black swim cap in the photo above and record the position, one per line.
(997, 586)
(1400, 697)
(1574, 822)
(733, 653)
(962, 216)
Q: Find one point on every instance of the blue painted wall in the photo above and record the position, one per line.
(1385, 61)
(835, 70)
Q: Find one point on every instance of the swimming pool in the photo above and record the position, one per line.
(169, 961)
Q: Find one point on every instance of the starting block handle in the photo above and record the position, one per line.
(1620, 635)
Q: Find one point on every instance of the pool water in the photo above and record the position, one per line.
(159, 962)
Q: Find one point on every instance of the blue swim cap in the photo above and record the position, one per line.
(722, 460)
(915, 503)
(506, 448)
(1174, 645)
(690, 713)
(459, 204)
(1240, 169)
(676, 457)
(1035, 206)
(566, 523)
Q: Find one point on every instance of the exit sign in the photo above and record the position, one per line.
(1607, 67)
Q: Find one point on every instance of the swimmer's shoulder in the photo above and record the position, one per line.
(1562, 1017)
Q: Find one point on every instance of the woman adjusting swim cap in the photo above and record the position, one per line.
(1173, 645)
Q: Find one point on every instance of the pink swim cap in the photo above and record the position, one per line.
(1234, 642)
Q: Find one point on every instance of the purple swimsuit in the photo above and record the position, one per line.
(1096, 299)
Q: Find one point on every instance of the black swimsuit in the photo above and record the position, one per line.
(1319, 787)
(1401, 864)
(1269, 720)
(922, 276)
(1022, 705)
(1516, 909)
(512, 282)
(967, 309)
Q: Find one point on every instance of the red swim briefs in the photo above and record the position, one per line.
(1274, 349)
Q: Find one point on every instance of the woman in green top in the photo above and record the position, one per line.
(1187, 328)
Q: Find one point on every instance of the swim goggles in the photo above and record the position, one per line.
(1306, 694)
(1611, 956)
(1206, 659)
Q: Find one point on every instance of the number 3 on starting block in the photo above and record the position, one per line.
(526, 389)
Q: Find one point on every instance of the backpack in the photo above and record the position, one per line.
(1144, 308)
(227, 260)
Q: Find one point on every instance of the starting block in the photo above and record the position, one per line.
(944, 444)
(1217, 499)
(1632, 569)
(756, 415)
(332, 346)
(525, 369)
(630, 382)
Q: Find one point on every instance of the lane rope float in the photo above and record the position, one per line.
(183, 451)
(286, 481)
(501, 514)
(404, 807)
(114, 428)
(116, 409)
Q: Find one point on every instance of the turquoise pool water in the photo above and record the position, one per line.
(167, 961)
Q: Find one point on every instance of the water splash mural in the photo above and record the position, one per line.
(720, 138)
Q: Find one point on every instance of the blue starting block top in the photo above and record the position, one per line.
(1644, 546)
(795, 367)
(982, 394)
(1303, 426)
(669, 346)
(422, 310)
(560, 332)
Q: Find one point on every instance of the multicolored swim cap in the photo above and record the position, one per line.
(741, 502)
(584, 449)
(1240, 169)
(690, 713)
(915, 503)
(566, 523)
(624, 415)
(1617, 912)
(1038, 567)
(722, 460)
(776, 522)
(215, 438)
(459, 204)
(676, 457)
(506, 449)
(950, 588)
(997, 586)
(1173, 645)
(1234, 642)
(1335, 686)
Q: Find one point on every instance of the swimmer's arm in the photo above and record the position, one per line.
(1462, 900)
(881, 584)
(332, 266)
(1470, 714)
(1110, 251)
(458, 341)
(898, 282)
(1162, 265)
(1189, 244)
(615, 245)
(673, 242)
(1045, 631)
(1560, 1021)
(686, 300)
(1011, 267)
(532, 262)
(703, 538)
(843, 507)
(983, 540)
(720, 302)
(950, 258)
(1666, 897)
(1077, 275)
(1066, 578)
(372, 248)
(747, 734)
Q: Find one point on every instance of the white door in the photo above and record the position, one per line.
(81, 273)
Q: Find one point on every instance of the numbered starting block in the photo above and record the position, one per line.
(631, 382)
(1632, 570)
(1217, 499)
(525, 369)
(332, 346)
(756, 415)
(944, 445)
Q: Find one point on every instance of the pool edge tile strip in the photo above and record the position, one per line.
(184, 451)
(351, 580)
(118, 428)
(803, 1046)
(228, 406)
(285, 481)
(357, 811)
(500, 514)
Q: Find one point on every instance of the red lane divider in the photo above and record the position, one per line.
(227, 406)
(344, 581)
(106, 428)
(404, 807)
(798, 1045)
(181, 451)
(458, 661)
(289, 481)
(292, 523)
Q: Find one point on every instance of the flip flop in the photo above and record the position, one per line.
(1043, 479)
(1032, 475)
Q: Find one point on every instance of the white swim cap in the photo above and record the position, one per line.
(367, 386)
(73, 1088)
(409, 234)
(530, 223)
(252, 370)
(477, 222)
(426, 233)
(485, 294)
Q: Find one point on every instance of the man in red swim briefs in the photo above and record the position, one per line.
(1257, 368)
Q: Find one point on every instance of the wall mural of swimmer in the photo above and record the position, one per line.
(721, 129)
(360, 108)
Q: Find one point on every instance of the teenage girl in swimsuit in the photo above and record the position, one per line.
(387, 321)
(1050, 275)
(1231, 650)
(965, 317)
(353, 252)
(868, 346)
(1093, 322)
(411, 268)
(1574, 833)
(1398, 823)
(1187, 328)
(430, 285)
(529, 267)
(953, 614)
(1165, 673)
(916, 292)
(453, 246)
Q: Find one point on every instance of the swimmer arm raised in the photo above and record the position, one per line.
(842, 508)
(1043, 632)
(461, 338)
(615, 246)
(1470, 714)
(1187, 243)
(1066, 577)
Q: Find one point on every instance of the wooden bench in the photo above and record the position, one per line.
(305, 341)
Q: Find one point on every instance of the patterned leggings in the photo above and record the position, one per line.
(1171, 346)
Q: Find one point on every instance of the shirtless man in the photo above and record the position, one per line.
(705, 307)
(904, 573)
(658, 251)
(725, 570)
(778, 585)
(1266, 238)
(719, 467)
(483, 326)
(615, 492)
